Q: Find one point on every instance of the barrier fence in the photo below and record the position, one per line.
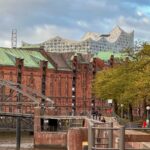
(103, 136)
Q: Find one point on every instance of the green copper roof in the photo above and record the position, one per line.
(31, 46)
(31, 58)
(106, 55)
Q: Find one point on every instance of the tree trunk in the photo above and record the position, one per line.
(139, 112)
(115, 107)
(130, 113)
(144, 107)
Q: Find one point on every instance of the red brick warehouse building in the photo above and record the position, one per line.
(64, 77)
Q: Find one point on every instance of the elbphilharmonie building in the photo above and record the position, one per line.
(117, 40)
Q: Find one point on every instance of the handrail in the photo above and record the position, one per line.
(119, 119)
(94, 136)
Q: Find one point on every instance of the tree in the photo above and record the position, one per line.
(127, 82)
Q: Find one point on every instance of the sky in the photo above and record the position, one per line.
(40, 20)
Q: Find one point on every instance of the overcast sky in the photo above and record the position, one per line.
(39, 20)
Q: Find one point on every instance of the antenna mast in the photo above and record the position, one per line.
(14, 38)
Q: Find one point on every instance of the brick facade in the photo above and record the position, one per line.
(71, 139)
(58, 81)
(75, 138)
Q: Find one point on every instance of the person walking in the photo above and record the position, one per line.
(103, 120)
(96, 114)
(99, 116)
(144, 124)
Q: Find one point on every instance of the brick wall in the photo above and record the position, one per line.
(58, 85)
(50, 139)
(72, 139)
(75, 138)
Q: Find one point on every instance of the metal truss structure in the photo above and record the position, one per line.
(11, 108)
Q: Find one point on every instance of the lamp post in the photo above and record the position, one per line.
(147, 120)
(110, 103)
(121, 110)
(93, 105)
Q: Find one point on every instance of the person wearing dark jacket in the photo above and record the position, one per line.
(103, 120)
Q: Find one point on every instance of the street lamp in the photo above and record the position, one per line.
(147, 120)
(92, 105)
(121, 110)
(110, 103)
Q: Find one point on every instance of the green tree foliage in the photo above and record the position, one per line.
(127, 82)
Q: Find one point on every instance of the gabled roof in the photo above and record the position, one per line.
(59, 61)
(64, 60)
(31, 58)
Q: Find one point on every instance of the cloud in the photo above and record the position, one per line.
(82, 24)
(5, 43)
(139, 13)
(44, 32)
(141, 26)
(146, 20)
(38, 20)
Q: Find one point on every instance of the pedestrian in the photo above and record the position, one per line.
(96, 114)
(103, 120)
(144, 124)
(99, 115)
(93, 114)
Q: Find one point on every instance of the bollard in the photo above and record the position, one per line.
(85, 145)
(117, 142)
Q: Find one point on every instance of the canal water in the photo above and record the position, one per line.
(8, 141)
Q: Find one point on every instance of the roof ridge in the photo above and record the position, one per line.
(48, 57)
(65, 60)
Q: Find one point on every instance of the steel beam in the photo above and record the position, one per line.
(18, 133)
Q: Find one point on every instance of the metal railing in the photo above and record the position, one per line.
(9, 124)
(119, 119)
(101, 142)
